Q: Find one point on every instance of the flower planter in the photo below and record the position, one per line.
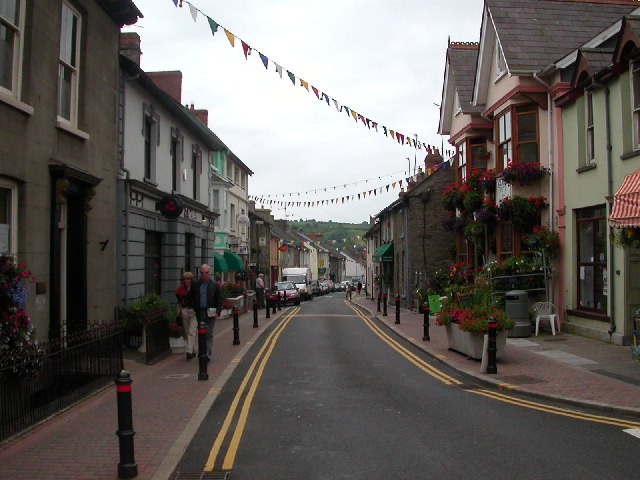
(177, 345)
(471, 344)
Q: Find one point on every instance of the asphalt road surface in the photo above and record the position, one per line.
(328, 393)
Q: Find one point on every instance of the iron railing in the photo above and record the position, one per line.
(56, 374)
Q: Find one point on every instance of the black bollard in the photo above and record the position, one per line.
(279, 302)
(236, 326)
(425, 310)
(492, 349)
(127, 468)
(379, 298)
(202, 351)
(284, 301)
(268, 309)
(275, 303)
(384, 304)
(255, 314)
(397, 308)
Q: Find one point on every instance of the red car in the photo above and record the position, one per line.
(284, 290)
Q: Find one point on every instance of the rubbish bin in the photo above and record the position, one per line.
(517, 307)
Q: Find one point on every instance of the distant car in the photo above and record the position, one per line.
(324, 288)
(315, 288)
(343, 285)
(286, 291)
(332, 286)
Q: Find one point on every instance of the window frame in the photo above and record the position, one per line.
(589, 128)
(196, 167)
(596, 263)
(461, 162)
(513, 141)
(635, 102)
(151, 139)
(17, 53)
(176, 154)
(12, 187)
(74, 66)
(501, 160)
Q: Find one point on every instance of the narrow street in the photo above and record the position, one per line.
(328, 393)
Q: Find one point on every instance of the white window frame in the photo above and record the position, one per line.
(14, 90)
(635, 93)
(589, 128)
(7, 184)
(74, 68)
(501, 63)
(177, 157)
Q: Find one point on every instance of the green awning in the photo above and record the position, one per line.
(219, 263)
(234, 262)
(384, 253)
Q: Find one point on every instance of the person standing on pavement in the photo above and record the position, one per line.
(260, 290)
(359, 287)
(205, 297)
(187, 313)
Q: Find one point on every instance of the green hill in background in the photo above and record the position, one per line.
(346, 237)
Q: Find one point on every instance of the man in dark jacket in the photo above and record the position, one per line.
(204, 295)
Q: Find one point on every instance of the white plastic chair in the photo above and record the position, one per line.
(546, 311)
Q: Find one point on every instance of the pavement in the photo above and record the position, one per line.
(169, 402)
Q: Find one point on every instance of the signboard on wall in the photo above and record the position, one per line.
(503, 190)
(243, 220)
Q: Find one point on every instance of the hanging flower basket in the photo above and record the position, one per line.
(523, 212)
(488, 180)
(487, 214)
(472, 201)
(452, 197)
(524, 173)
(627, 237)
(454, 224)
(542, 239)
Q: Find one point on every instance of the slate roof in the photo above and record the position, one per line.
(536, 33)
(462, 61)
(598, 58)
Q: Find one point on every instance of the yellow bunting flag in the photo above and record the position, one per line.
(230, 36)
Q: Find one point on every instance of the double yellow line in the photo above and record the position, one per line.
(434, 372)
(413, 358)
(555, 410)
(257, 366)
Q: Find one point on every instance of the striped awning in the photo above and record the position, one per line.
(625, 210)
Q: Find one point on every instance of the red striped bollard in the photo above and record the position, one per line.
(202, 351)
(397, 309)
(384, 304)
(255, 314)
(379, 298)
(425, 310)
(492, 348)
(236, 326)
(127, 468)
(268, 309)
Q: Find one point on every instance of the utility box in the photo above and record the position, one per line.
(517, 307)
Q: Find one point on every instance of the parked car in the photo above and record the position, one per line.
(332, 287)
(342, 286)
(315, 288)
(288, 293)
(324, 288)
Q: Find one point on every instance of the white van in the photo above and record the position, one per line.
(302, 278)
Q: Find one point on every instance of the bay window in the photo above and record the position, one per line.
(517, 136)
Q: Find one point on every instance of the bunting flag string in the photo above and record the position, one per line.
(267, 200)
(334, 187)
(358, 117)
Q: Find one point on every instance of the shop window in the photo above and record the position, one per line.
(592, 259)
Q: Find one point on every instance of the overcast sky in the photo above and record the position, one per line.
(384, 59)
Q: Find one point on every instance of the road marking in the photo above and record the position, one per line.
(413, 358)
(262, 357)
(555, 410)
(633, 431)
(323, 315)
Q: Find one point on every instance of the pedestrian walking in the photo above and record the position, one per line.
(187, 313)
(359, 287)
(260, 290)
(348, 292)
(204, 295)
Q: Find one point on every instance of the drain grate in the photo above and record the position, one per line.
(202, 475)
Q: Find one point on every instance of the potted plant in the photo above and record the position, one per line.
(524, 173)
(139, 314)
(176, 337)
(452, 197)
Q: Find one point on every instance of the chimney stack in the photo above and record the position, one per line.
(170, 82)
(201, 114)
(130, 46)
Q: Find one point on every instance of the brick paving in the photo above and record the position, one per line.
(169, 402)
